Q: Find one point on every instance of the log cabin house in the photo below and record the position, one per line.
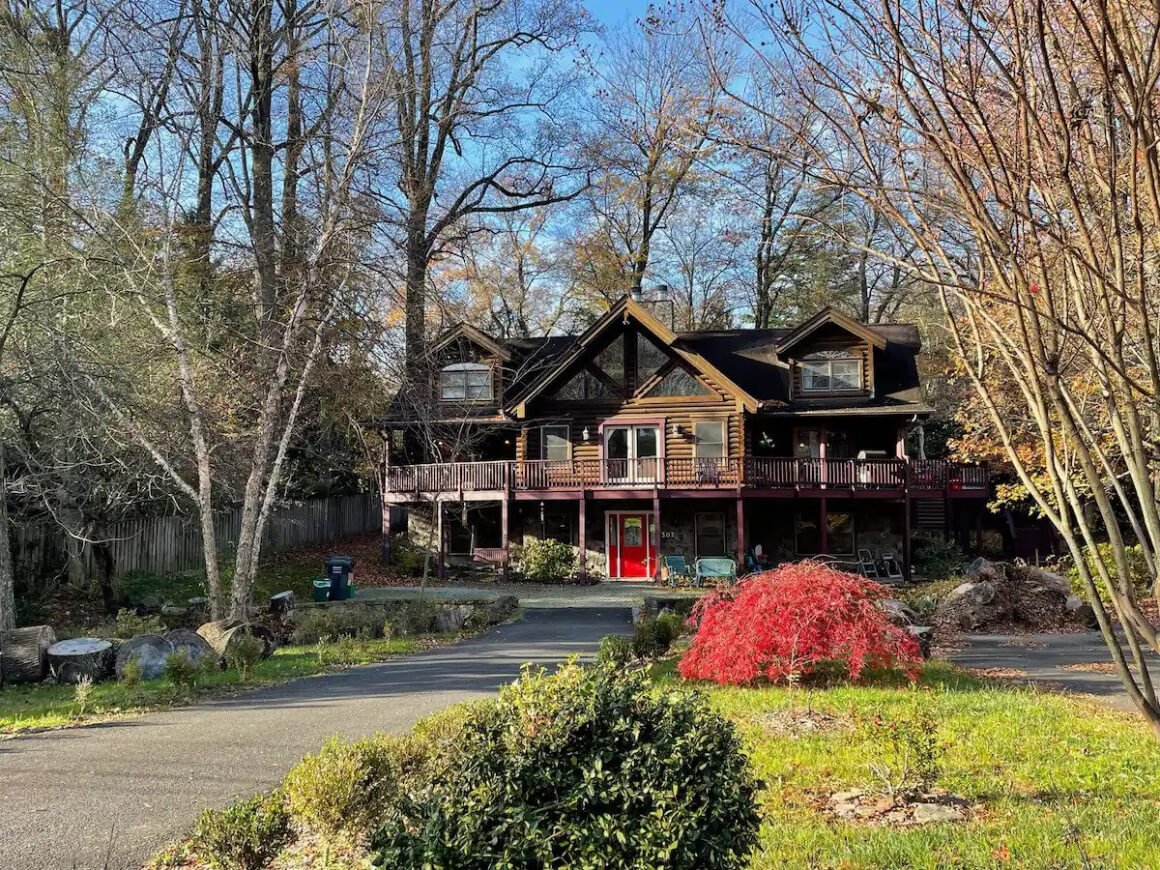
(632, 441)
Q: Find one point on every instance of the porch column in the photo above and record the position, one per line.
(439, 532)
(741, 548)
(503, 534)
(906, 537)
(582, 528)
(823, 474)
(656, 542)
(386, 533)
(823, 528)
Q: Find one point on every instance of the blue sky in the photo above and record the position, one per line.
(616, 11)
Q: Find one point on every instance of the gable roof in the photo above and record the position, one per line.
(475, 336)
(626, 306)
(823, 317)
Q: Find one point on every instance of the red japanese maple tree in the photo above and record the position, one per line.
(782, 624)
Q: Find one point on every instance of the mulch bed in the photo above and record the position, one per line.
(800, 723)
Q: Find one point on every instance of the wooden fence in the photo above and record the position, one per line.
(163, 545)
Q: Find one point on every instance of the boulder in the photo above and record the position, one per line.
(981, 592)
(898, 612)
(984, 569)
(453, 617)
(149, 650)
(926, 813)
(1046, 581)
(196, 645)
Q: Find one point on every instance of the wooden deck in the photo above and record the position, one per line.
(618, 478)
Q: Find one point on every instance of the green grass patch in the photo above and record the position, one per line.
(27, 708)
(1060, 783)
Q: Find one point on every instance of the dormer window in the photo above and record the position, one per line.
(831, 375)
(465, 382)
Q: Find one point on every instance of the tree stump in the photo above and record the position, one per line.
(24, 654)
(149, 650)
(196, 645)
(80, 658)
(282, 603)
(222, 633)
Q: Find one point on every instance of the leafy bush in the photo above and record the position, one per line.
(584, 768)
(406, 558)
(342, 653)
(913, 754)
(246, 836)
(924, 598)
(934, 558)
(129, 625)
(243, 653)
(363, 621)
(182, 670)
(654, 635)
(345, 786)
(547, 561)
(615, 650)
(1138, 575)
(783, 624)
(132, 673)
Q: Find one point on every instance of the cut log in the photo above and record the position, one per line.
(197, 646)
(222, 633)
(24, 653)
(80, 658)
(282, 603)
(149, 650)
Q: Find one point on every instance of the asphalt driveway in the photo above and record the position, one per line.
(108, 796)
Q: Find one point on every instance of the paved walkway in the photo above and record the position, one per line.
(1052, 659)
(108, 796)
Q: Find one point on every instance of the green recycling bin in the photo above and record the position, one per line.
(322, 590)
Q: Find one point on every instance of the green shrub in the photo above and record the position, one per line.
(934, 558)
(413, 617)
(246, 836)
(130, 625)
(182, 670)
(615, 650)
(243, 653)
(654, 635)
(345, 786)
(1138, 575)
(132, 673)
(363, 621)
(547, 561)
(406, 558)
(342, 652)
(584, 768)
(910, 752)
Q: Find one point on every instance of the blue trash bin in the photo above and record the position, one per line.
(339, 570)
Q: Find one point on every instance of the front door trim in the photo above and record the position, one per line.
(612, 522)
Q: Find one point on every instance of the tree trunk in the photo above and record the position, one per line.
(7, 575)
(24, 654)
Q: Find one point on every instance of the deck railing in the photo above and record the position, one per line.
(688, 473)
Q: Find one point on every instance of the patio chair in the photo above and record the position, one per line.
(714, 568)
(675, 571)
(868, 564)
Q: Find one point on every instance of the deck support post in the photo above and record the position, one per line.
(741, 546)
(439, 566)
(823, 528)
(656, 537)
(582, 528)
(503, 534)
(386, 533)
(906, 536)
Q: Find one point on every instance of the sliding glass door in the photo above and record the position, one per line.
(632, 454)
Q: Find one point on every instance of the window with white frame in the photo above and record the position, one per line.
(831, 375)
(465, 382)
(709, 439)
(555, 442)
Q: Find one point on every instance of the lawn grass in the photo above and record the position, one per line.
(28, 708)
(1061, 783)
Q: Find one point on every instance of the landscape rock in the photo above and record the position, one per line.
(149, 650)
(925, 814)
(173, 610)
(1046, 581)
(197, 646)
(453, 617)
(1003, 597)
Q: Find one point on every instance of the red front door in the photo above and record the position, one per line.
(629, 549)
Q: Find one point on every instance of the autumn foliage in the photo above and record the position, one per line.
(782, 624)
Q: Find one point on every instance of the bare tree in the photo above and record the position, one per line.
(1024, 174)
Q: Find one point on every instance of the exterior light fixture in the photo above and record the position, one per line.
(585, 435)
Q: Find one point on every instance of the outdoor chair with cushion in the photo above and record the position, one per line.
(716, 568)
(675, 571)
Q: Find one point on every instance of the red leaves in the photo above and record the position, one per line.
(780, 625)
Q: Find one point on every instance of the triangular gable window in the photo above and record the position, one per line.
(582, 386)
(611, 360)
(649, 358)
(678, 382)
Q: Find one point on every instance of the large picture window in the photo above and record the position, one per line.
(709, 439)
(465, 382)
(555, 443)
(831, 375)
